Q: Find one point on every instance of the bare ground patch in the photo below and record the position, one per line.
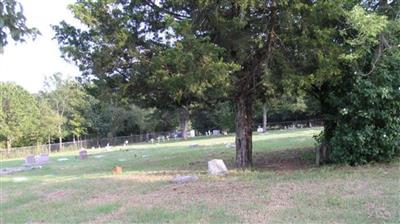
(58, 195)
(284, 160)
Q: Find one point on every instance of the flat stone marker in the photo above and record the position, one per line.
(19, 179)
(30, 160)
(193, 145)
(83, 154)
(216, 167)
(62, 159)
(99, 156)
(184, 179)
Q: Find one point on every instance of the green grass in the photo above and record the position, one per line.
(283, 187)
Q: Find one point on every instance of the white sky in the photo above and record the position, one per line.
(28, 63)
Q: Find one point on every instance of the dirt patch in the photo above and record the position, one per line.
(58, 195)
(285, 160)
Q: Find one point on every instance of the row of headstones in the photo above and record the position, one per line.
(293, 126)
(216, 133)
(41, 159)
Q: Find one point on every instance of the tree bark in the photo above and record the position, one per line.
(184, 121)
(8, 142)
(60, 142)
(265, 111)
(49, 144)
(60, 138)
(243, 131)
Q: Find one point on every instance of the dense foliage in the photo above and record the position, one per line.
(19, 114)
(367, 121)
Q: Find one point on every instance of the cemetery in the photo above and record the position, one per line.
(198, 111)
(171, 182)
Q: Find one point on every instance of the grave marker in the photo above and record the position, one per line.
(83, 154)
(30, 160)
(216, 167)
(43, 158)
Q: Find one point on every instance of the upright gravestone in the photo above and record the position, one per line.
(30, 160)
(83, 154)
(216, 132)
(43, 158)
(217, 167)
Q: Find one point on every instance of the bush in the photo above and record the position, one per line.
(368, 124)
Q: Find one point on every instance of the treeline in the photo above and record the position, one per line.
(68, 110)
(64, 110)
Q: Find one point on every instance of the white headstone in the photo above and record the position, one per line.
(216, 132)
(217, 167)
(260, 129)
(192, 133)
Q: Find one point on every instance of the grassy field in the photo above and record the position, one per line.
(284, 187)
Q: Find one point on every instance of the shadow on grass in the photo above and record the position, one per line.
(285, 160)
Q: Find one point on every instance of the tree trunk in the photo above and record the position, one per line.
(8, 142)
(184, 121)
(243, 131)
(265, 110)
(49, 144)
(60, 142)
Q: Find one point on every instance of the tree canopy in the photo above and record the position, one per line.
(13, 23)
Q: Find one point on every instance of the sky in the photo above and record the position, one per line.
(28, 63)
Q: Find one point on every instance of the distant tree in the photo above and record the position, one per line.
(71, 102)
(48, 122)
(13, 23)
(18, 113)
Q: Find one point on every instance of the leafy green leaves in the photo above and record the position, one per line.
(13, 23)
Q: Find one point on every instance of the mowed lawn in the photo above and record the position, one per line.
(284, 187)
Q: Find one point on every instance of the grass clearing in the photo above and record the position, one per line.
(284, 186)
